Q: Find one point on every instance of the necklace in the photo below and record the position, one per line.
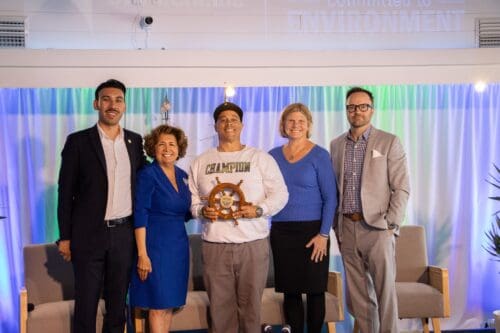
(292, 155)
(297, 153)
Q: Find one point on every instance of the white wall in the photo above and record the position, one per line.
(75, 43)
(155, 68)
(252, 24)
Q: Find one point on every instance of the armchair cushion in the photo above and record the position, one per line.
(419, 300)
(57, 317)
(194, 314)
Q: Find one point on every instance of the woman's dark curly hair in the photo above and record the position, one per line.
(151, 139)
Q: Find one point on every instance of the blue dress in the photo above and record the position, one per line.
(163, 211)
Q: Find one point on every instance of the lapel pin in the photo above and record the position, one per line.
(129, 141)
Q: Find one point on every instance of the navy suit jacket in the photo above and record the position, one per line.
(83, 186)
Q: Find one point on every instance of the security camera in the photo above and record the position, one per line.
(146, 22)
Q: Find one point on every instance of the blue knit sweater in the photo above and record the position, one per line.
(311, 186)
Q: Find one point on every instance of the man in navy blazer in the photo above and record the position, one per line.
(373, 184)
(96, 188)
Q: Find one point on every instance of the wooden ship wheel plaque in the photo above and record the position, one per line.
(226, 199)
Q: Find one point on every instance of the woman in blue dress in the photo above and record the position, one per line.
(162, 202)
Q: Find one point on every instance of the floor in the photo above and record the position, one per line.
(277, 329)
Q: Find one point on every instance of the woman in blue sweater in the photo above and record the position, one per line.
(300, 231)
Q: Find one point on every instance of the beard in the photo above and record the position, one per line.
(358, 122)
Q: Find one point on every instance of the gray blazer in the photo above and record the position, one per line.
(385, 184)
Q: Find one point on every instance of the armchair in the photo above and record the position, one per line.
(46, 301)
(422, 290)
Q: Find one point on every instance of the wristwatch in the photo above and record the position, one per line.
(259, 211)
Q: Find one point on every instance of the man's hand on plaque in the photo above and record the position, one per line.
(209, 213)
(248, 212)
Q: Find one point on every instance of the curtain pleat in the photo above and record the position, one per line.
(450, 133)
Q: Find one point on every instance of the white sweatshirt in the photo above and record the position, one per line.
(263, 185)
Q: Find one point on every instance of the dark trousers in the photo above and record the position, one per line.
(107, 266)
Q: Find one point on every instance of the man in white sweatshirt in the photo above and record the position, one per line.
(236, 251)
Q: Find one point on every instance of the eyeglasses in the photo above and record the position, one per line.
(361, 107)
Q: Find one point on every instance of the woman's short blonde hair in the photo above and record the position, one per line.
(151, 139)
(296, 107)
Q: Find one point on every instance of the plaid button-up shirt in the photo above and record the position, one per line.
(353, 168)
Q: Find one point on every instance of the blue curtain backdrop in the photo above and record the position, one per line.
(450, 132)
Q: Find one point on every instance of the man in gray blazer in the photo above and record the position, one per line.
(373, 183)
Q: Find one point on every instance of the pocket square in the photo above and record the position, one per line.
(376, 153)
